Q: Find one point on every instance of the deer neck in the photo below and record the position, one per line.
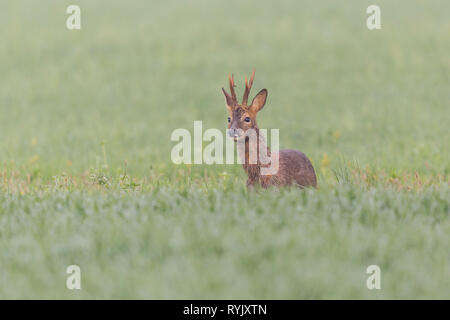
(252, 149)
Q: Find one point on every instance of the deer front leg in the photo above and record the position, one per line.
(251, 184)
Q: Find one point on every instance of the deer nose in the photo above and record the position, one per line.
(232, 132)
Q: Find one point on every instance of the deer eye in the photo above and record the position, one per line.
(229, 119)
(247, 119)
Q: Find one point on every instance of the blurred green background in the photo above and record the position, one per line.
(86, 178)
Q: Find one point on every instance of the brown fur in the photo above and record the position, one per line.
(294, 168)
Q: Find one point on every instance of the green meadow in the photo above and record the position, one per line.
(86, 176)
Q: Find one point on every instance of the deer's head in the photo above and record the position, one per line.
(243, 116)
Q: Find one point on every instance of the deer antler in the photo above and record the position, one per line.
(248, 86)
(233, 93)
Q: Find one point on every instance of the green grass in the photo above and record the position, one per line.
(85, 171)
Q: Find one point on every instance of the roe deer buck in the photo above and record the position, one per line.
(294, 168)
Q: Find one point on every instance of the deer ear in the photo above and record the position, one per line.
(259, 101)
(228, 99)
